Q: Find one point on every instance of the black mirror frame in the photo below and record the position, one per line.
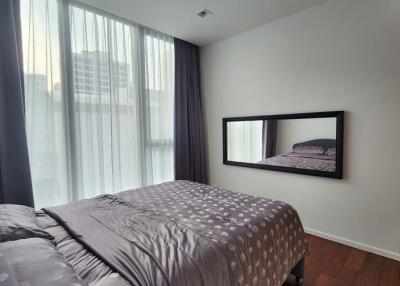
(339, 115)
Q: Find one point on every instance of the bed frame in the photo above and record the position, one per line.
(298, 271)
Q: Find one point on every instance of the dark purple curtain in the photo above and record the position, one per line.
(190, 158)
(15, 175)
(269, 133)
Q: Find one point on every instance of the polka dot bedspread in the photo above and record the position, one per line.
(185, 233)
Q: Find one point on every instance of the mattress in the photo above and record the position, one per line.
(178, 233)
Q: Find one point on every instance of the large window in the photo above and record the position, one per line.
(99, 102)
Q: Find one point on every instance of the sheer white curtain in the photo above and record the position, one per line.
(115, 130)
(106, 79)
(245, 141)
(45, 116)
(159, 96)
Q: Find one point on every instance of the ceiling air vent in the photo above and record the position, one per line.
(203, 13)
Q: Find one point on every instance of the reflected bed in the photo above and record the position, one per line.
(318, 154)
(318, 162)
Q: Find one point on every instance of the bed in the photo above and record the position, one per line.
(317, 154)
(178, 233)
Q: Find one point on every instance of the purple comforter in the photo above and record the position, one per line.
(317, 162)
(185, 233)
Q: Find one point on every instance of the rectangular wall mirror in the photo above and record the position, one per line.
(303, 143)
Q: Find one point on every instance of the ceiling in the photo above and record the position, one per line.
(179, 17)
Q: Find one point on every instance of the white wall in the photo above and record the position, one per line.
(341, 55)
(295, 131)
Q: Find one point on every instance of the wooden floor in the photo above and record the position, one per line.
(334, 264)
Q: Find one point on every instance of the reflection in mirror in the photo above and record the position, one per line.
(305, 143)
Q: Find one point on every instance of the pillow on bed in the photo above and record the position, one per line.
(35, 262)
(18, 222)
(309, 150)
(331, 152)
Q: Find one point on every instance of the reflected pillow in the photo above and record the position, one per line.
(309, 150)
(19, 222)
(331, 152)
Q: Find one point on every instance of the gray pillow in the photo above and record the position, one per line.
(19, 222)
(331, 152)
(35, 262)
(309, 150)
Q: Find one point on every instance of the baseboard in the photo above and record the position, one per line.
(354, 244)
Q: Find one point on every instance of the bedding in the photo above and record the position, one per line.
(91, 269)
(34, 262)
(19, 222)
(308, 161)
(178, 233)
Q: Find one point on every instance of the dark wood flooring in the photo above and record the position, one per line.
(334, 264)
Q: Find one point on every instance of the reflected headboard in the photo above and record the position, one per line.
(325, 143)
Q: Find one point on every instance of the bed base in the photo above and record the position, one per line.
(298, 271)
